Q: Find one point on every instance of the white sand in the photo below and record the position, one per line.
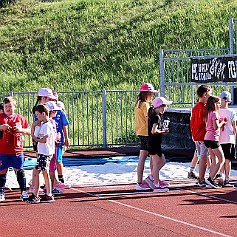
(112, 173)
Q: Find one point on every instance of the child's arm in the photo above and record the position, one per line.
(36, 123)
(44, 139)
(66, 139)
(155, 129)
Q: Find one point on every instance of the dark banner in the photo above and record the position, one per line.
(222, 69)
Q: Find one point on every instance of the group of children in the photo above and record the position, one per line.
(213, 129)
(49, 133)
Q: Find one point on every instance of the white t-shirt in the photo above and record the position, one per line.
(226, 132)
(47, 148)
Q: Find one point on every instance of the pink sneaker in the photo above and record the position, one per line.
(163, 184)
(32, 190)
(142, 186)
(159, 189)
(62, 186)
(149, 182)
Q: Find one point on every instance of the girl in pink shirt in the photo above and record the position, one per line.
(211, 138)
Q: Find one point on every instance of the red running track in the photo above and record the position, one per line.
(119, 210)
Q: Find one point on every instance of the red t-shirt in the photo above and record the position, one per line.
(197, 124)
(11, 142)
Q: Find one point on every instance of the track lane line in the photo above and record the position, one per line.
(153, 213)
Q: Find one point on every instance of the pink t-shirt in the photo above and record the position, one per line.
(211, 133)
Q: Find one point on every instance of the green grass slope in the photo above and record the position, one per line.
(102, 44)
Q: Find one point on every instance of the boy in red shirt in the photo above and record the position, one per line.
(198, 129)
(13, 127)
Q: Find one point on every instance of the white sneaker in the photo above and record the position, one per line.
(159, 189)
(2, 197)
(24, 196)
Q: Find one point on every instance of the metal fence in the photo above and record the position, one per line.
(175, 75)
(233, 35)
(97, 118)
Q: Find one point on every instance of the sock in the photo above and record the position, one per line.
(3, 178)
(191, 169)
(61, 179)
(22, 182)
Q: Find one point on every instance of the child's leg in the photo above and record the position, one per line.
(37, 183)
(227, 167)
(59, 163)
(221, 159)
(194, 162)
(213, 159)
(52, 169)
(202, 149)
(3, 177)
(47, 182)
(60, 171)
(158, 163)
(141, 163)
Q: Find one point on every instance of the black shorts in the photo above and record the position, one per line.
(211, 144)
(229, 151)
(42, 162)
(144, 143)
(154, 148)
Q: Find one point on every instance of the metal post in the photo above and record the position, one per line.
(162, 74)
(193, 95)
(231, 35)
(104, 118)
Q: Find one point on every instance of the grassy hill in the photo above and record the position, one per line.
(102, 44)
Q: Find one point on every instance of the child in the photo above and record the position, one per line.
(198, 130)
(13, 127)
(44, 95)
(53, 109)
(141, 116)
(211, 138)
(46, 148)
(61, 126)
(227, 135)
(155, 131)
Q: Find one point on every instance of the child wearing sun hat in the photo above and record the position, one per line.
(141, 117)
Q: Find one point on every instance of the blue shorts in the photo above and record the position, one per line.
(59, 154)
(15, 161)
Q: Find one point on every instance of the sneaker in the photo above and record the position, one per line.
(192, 175)
(211, 183)
(163, 184)
(159, 189)
(24, 196)
(31, 189)
(57, 191)
(47, 198)
(41, 191)
(2, 197)
(227, 183)
(142, 186)
(218, 176)
(201, 183)
(34, 199)
(235, 185)
(149, 182)
(62, 186)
